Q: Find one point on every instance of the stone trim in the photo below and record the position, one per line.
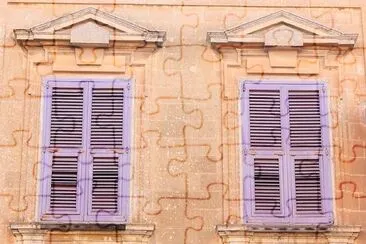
(305, 31)
(242, 234)
(124, 31)
(39, 233)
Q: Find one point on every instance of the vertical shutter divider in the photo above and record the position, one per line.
(86, 164)
(125, 171)
(285, 166)
(325, 163)
(46, 162)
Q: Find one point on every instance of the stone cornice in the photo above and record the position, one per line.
(295, 31)
(93, 24)
(299, 234)
(37, 232)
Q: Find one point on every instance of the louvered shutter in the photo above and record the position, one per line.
(286, 161)
(65, 129)
(263, 146)
(308, 151)
(108, 147)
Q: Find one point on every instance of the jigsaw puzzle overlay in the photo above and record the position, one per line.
(187, 147)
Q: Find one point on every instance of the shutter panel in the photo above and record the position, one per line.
(265, 118)
(65, 136)
(66, 117)
(305, 124)
(263, 135)
(105, 184)
(107, 147)
(307, 183)
(107, 117)
(66, 132)
(64, 179)
(267, 193)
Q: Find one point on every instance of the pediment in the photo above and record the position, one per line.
(90, 27)
(282, 29)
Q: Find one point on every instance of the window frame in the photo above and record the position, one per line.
(247, 166)
(124, 187)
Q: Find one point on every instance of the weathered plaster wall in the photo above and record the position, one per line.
(186, 164)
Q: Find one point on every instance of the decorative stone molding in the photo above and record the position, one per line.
(89, 41)
(241, 234)
(37, 233)
(89, 27)
(281, 43)
(281, 29)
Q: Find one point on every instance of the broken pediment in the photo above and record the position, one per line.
(89, 27)
(282, 29)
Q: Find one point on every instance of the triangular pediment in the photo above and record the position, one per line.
(276, 28)
(91, 27)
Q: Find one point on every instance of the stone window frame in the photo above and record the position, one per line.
(257, 48)
(81, 56)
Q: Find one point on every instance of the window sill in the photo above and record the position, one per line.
(242, 234)
(38, 233)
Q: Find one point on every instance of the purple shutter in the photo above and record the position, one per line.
(108, 147)
(286, 162)
(64, 141)
(308, 156)
(86, 167)
(262, 135)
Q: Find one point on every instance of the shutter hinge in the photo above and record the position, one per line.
(326, 151)
(278, 153)
(128, 86)
(323, 89)
(249, 151)
(51, 150)
(124, 150)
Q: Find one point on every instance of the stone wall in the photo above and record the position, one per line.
(185, 157)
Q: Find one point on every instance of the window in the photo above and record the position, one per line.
(85, 161)
(287, 178)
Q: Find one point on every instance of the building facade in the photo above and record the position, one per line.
(182, 121)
